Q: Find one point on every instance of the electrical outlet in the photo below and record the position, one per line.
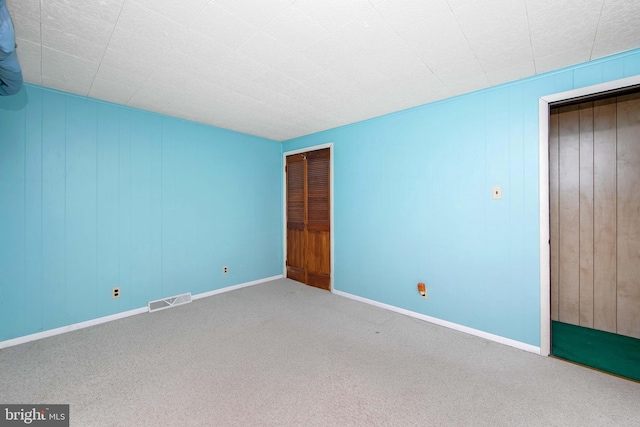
(496, 192)
(422, 290)
(225, 270)
(115, 293)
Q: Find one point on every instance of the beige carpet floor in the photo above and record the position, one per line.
(284, 354)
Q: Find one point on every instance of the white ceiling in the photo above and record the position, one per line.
(286, 68)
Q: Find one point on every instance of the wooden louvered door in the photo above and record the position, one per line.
(308, 218)
(318, 248)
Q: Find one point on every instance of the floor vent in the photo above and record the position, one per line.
(163, 303)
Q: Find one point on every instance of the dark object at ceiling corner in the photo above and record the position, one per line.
(10, 71)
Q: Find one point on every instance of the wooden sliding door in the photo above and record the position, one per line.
(308, 218)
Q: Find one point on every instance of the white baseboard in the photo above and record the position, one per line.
(74, 327)
(491, 337)
(234, 287)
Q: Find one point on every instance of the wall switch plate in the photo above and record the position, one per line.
(496, 193)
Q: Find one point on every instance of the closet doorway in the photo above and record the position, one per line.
(594, 213)
(308, 217)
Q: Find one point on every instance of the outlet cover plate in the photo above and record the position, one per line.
(496, 193)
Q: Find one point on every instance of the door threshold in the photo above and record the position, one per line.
(594, 369)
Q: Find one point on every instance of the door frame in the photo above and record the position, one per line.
(544, 109)
(328, 145)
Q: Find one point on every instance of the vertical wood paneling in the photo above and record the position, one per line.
(155, 217)
(569, 215)
(517, 259)
(54, 209)
(183, 206)
(609, 214)
(107, 206)
(145, 207)
(449, 179)
(586, 214)
(81, 191)
(604, 215)
(553, 211)
(628, 203)
(80, 208)
(124, 207)
(33, 212)
(172, 162)
(13, 299)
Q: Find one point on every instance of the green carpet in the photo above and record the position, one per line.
(617, 354)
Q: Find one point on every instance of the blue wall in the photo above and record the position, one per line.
(413, 202)
(95, 196)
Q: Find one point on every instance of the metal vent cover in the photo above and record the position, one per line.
(169, 302)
